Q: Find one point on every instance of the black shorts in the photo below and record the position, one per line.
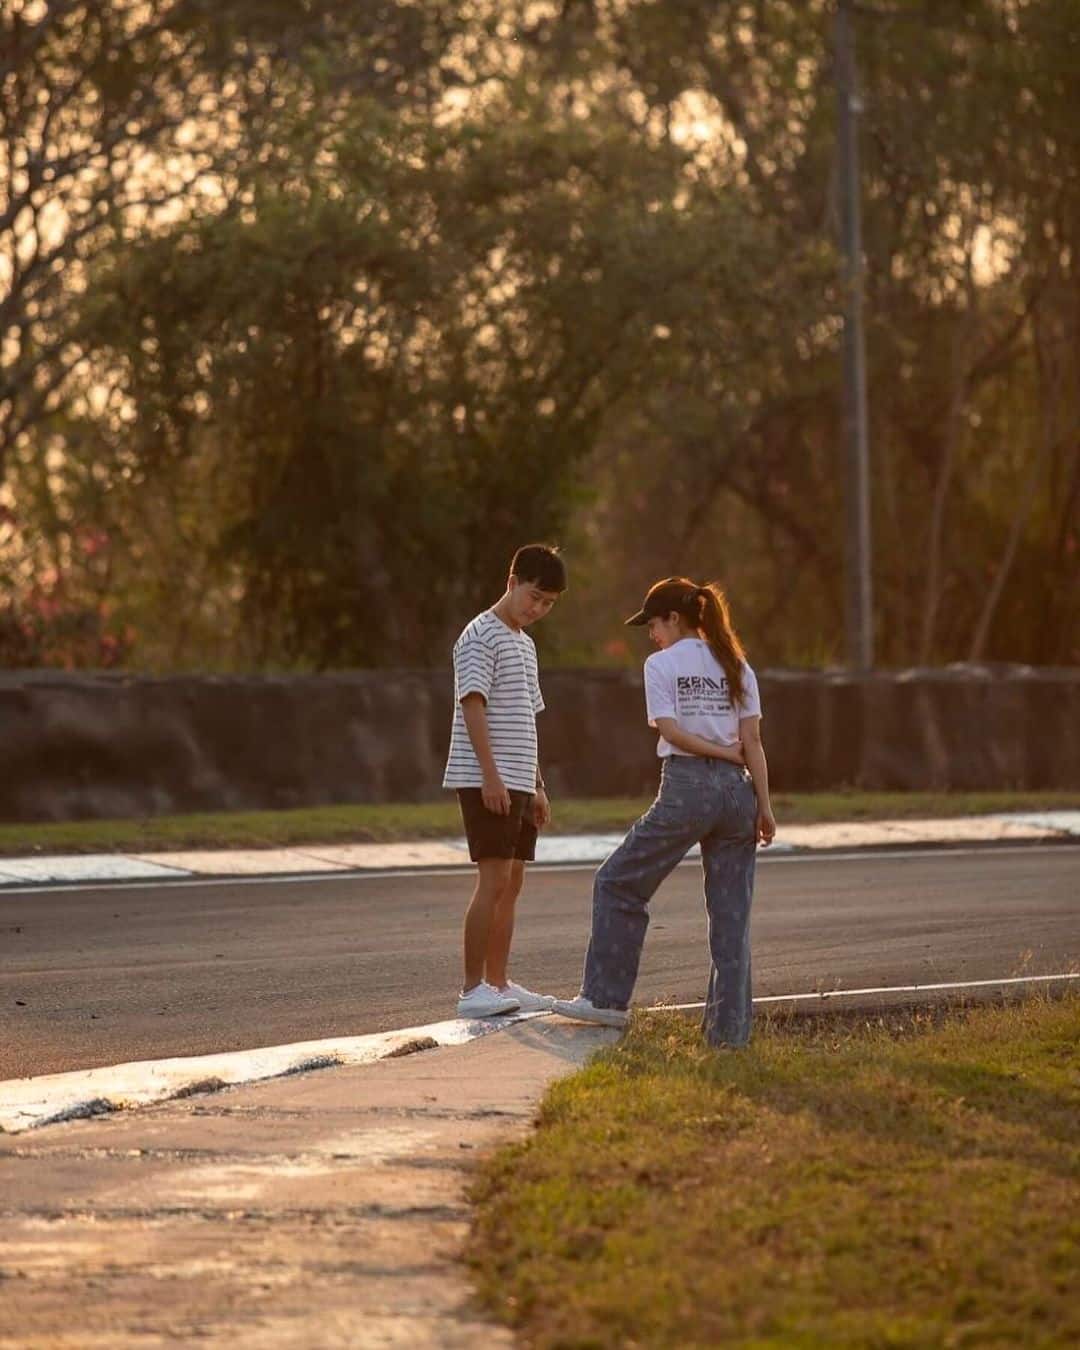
(492, 836)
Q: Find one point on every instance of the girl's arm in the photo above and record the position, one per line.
(698, 745)
(750, 731)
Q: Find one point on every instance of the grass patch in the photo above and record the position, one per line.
(909, 1181)
(440, 820)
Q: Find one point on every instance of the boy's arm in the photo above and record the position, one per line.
(750, 731)
(493, 793)
(541, 806)
(669, 728)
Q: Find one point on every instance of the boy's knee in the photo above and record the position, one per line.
(495, 873)
(511, 887)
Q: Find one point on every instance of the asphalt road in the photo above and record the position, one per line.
(107, 975)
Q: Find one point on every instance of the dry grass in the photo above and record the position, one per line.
(908, 1181)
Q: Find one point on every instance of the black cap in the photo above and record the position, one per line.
(664, 597)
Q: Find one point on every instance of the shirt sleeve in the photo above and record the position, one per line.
(474, 668)
(659, 690)
(751, 699)
(532, 668)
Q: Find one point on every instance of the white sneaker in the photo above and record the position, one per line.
(485, 1001)
(528, 1001)
(581, 1009)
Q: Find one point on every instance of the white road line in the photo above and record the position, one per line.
(372, 874)
(882, 989)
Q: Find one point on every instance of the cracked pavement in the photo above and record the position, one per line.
(323, 1209)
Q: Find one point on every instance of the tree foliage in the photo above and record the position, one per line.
(348, 300)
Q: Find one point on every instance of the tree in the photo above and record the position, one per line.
(118, 115)
(971, 214)
(474, 273)
(398, 361)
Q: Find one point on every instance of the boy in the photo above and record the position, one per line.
(493, 765)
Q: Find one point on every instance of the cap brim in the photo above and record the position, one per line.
(637, 619)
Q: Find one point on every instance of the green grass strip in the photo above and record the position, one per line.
(845, 1183)
(440, 820)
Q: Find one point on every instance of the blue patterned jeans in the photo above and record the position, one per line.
(706, 801)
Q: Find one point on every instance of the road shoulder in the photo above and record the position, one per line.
(322, 1209)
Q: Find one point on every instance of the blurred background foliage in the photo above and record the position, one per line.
(312, 312)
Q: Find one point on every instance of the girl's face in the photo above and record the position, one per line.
(665, 631)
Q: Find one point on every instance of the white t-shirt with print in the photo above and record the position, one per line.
(500, 663)
(685, 681)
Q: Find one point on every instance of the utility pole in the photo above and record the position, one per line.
(857, 556)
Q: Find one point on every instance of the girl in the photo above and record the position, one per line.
(702, 697)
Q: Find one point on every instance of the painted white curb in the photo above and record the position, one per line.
(87, 867)
(324, 861)
(47, 1100)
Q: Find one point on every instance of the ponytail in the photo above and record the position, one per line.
(714, 620)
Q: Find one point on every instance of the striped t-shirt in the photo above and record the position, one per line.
(494, 660)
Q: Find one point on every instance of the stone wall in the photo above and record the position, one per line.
(105, 745)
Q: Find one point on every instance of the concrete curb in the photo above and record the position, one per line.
(51, 1099)
(352, 859)
(27, 1103)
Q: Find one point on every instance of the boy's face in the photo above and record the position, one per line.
(528, 602)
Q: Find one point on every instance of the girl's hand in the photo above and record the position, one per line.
(766, 825)
(734, 754)
(541, 809)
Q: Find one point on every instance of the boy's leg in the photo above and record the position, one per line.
(492, 875)
(502, 926)
(492, 844)
(624, 885)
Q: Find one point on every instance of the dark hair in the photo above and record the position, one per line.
(542, 565)
(714, 620)
(705, 607)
